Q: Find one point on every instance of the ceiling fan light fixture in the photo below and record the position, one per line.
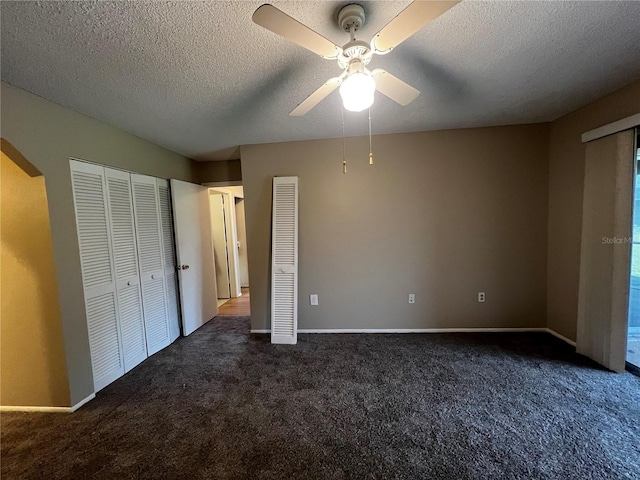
(357, 91)
(357, 84)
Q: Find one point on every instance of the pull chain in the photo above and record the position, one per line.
(344, 160)
(370, 148)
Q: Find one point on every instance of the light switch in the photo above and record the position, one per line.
(313, 299)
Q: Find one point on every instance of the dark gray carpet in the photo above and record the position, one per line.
(224, 404)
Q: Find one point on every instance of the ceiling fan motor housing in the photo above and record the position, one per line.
(351, 17)
(356, 49)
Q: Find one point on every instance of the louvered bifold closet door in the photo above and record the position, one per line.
(125, 256)
(168, 252)
(98, 272)
(149, 240)
(284, 261)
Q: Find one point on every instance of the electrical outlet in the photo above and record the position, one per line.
(313, 299)
(481, 297)
(412, 298)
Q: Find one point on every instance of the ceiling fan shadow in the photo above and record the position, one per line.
(434, 79)
(256, 104)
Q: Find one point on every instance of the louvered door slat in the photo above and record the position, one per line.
(92, 229)
(149, 241)
(168, 254)
(284, 281)
(155, 314)
(98, 272)
(172, 304)
(125, 255)
(133, 334)
(148, 227)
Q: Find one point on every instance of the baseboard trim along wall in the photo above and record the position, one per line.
(431, 330)
(11, 408)
(561, 337)
(82, 402)
(17, 408)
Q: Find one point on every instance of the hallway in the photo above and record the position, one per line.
(236, 306)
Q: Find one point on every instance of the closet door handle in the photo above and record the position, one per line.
(184, 267)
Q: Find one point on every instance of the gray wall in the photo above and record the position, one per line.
(442, 214)
(218, 171)
(566, 178)
(47, 135)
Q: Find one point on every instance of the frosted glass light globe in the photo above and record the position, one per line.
(357, 92)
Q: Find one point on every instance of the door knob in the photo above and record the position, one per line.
(185, 267)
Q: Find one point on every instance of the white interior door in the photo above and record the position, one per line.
(243, 260)
(284, 261)
(125, 256)
(223, 200)
(220, 245)
(168, 251)
(98, 272)
(149, 238)
(232, 243)
(194, 251)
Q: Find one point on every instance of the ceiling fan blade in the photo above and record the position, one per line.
(316, 97)
(394, 88)
(277, 21)
(408, 22)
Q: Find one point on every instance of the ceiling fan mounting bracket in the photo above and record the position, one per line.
(351, 17)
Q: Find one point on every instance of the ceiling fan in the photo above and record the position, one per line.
(357, 84)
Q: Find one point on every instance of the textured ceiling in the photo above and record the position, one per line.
(200, 78)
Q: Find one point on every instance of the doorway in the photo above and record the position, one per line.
(633, 334)
(230, 249)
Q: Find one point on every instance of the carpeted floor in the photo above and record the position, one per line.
(224, 404)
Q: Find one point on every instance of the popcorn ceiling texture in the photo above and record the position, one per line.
(200, 78)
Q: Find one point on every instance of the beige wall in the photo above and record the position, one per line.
(48, 134)
(32, 369)
(442, 214)
(566, 178)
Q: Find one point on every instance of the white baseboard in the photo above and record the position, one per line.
(420, 330)
(412, 330)
(31, 409)
(19, 408)
(429, 330)
(561, 337)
